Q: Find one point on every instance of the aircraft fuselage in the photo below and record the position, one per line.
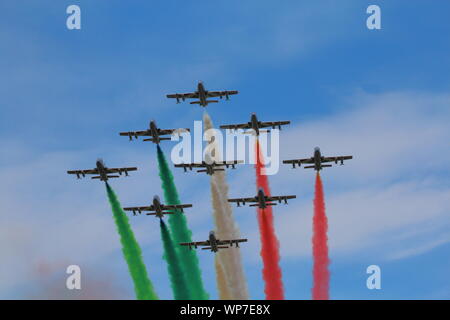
(210, 169)
(157, 205)
(154, 131)
(202, 94)
(255, 123)
(102, 170)
(317, 159)
(262, 199)
(213, 242)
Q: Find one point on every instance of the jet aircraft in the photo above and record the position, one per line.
(102, 171)
(202, 95)
(213, 243)
(317, 160)
(261, 200)
(158, 209)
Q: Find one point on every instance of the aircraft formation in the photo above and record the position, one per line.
(156, 135)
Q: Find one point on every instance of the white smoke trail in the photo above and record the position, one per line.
(229, 259)
(222, 285)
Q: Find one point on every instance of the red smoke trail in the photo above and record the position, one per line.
(269, 242)
(321, 274)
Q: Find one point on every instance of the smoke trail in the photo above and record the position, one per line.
(131, 251)
(269, 242)
(180, 231)
(174, 267)
(230, 259)
(321, 274)
(222, 285)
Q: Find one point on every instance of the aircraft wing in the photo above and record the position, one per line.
(170, 131)
(118, 170)
(221, 93)
(273, 124)
(140, 209)
(176, 206)
(190, 165)
(280, 198)
(336, 159)
(230, 162)
(225, 163)
(236, 126)
(194, 244)
(231, 242)
(136, 133)
(183, 95)
(83, 172)
(243, 200)
(298, 161)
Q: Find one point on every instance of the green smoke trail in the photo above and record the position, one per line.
(180, 231)
(176, 274)
(131, 251)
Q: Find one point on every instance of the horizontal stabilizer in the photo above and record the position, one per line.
(154, 140)
(222, 247)
(206, 248)
(207, 101)
(308, 167)
(113, 176)
(326, 165)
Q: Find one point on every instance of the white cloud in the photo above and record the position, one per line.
(417, 250)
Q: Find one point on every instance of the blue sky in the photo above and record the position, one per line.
(382, 96)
